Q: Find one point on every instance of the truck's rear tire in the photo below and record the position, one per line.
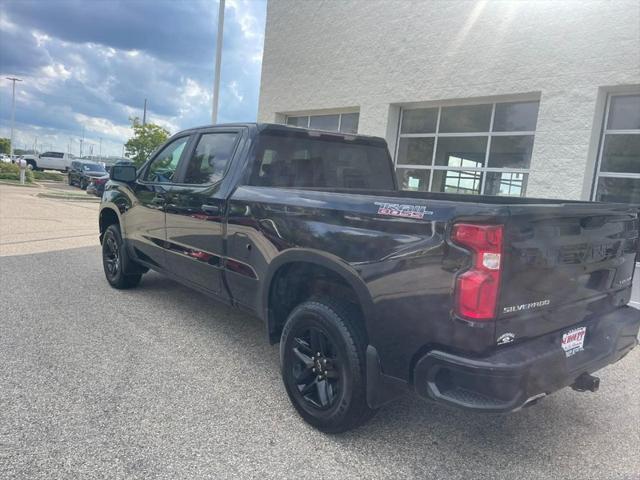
(115, 260)
(323, 365)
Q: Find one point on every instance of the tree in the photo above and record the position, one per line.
(5, 145)
(146, 138)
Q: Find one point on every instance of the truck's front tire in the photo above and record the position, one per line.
(115, 260)
(323, 365)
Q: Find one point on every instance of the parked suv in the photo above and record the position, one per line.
(51, 161)
(82, 173)
(477, 302)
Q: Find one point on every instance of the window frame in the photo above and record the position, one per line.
(195, 140)
(323, 114)
(145, 168)
(254, 164)
(604, 131)
(490, 134)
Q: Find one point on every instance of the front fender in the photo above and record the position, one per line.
(117, 201)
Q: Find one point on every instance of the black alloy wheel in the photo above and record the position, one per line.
(317, 369)
(323, 364)
(111, 252)
(117, 266)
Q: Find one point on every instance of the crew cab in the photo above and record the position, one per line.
(51, 161)
(476, 302)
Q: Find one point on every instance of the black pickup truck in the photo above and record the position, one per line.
(478, 302)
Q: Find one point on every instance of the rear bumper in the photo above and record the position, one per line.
(515, 376)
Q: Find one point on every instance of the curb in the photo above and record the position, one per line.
(75, 198)
(18, 184)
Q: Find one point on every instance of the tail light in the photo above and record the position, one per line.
(476, 293)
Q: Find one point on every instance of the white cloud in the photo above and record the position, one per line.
(247, 21)
(56, 71)
(235, 90)
(41, 38)
(103, 126)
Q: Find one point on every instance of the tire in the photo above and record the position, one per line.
(334, 400)
(32, 165)
(83, 184)
(115, 260)
(69, 179)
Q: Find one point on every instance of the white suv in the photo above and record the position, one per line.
(51, 161)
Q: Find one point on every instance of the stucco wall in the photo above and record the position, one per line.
(378, 55)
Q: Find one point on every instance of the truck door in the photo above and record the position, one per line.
(195, 211)
(44, 160)
(145, 223)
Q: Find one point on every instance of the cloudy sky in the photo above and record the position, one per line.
(91, 64)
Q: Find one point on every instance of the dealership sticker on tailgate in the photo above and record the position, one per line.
(573, 341)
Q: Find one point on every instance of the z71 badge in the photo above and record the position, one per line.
(401, 210)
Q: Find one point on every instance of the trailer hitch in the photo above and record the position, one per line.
(586, 382)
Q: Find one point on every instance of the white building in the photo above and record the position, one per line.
(536, 98)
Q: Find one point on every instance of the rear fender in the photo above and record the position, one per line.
(323, 259)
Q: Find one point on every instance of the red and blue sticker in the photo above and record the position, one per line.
(402, 210)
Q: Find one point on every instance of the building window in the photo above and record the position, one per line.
(618, 173)
(467, 149)
(339, 122)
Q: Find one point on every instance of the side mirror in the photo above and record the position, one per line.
(123, 173)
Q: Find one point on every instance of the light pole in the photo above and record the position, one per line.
(13, 111)
(81, 141)
(216, 80)
(144, 113)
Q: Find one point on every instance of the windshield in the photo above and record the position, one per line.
(310, 159)
(93, 167)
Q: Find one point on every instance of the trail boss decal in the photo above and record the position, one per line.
(401, 210)
(525, 306)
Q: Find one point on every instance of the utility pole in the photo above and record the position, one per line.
(144, 113)
(100, 151)
(13, 111)
(81, 141)
(216, 80)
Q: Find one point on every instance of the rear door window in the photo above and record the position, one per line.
(209, 161)
(307, 160)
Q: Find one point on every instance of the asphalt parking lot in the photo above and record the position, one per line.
(161, 382)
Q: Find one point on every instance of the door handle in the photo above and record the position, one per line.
(211, 209)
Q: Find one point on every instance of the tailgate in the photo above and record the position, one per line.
(562, 262)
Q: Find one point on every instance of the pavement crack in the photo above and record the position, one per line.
(47, 239)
